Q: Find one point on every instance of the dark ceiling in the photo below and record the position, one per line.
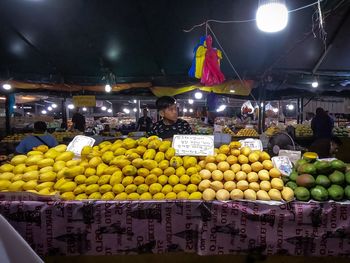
(79, 41)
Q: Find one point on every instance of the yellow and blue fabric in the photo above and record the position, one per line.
(198, 59)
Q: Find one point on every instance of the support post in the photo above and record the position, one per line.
(7, 114)
(64, 112)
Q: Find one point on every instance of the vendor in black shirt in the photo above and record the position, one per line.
(169, 125)
(144, 123)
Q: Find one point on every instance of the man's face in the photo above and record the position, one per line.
(145, 113)
(170, 113)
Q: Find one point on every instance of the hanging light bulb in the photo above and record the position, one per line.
(43, 111)
(221, 108)
(108, 88)
(54, 105)
(191, 110)
(70, 106)
(84, 109)
(134, 109)
(198, 95)
(6, 86)
(314, 84)
(127, 111)
(49, 108)
(185, 110)
(272, 15)
(290, 107)
(190, 101)
(109, 110)
(14, 106)
(104, 108)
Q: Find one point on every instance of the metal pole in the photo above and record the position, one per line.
(7, 112)
(298, 110)
(302, 110)
(64, 112)
(138, 103)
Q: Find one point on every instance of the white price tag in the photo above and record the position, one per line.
(283, 164)
(218, 128)
(78, 144)
(293, 156)
(254, 144)
(194, 145)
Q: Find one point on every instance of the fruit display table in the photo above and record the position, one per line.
(206, 228)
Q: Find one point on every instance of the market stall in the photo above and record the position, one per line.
(180, 127)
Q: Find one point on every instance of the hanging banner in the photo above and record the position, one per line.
(84, 101)
(232, 87)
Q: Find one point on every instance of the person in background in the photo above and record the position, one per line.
(78, 121)
(322, 124)
(106, 130)
(326, 147)
(169, 125)
(144, 123)
(40, 137)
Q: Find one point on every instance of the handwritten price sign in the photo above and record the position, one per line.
(253, 144)
(194, 145)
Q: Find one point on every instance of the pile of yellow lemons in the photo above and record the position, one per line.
(144, 169)
(237, 172)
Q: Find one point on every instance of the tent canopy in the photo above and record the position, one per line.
(80, 42)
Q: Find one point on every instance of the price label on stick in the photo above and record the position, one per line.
(194, 145)
(254, 144)
(78, 144)
(283, 164)
(293, 156)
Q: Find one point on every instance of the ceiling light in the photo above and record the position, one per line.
(14, 106)
(84, 109)
(135, 101)
(6, 86)
(275, 110)
(191, 110)
(43, 111)
(232, 91)
(70, 106)
(314, 84)
(104, 108)
(185, 110)
(49, 108)
(290, 107)
(28, 113)
(54, 105)
(109, 110)
(272, 15)
(127, 111)
(134, 109)
(198, 95)
(190, 101)
(108, 88)
(221, 108)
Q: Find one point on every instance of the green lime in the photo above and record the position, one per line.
(293, 176)
(319, 193)
(302, 194)
(347, 192)
(337, 178)
(292, 185)
(347, 177)
(336, 192)
(323, 180)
